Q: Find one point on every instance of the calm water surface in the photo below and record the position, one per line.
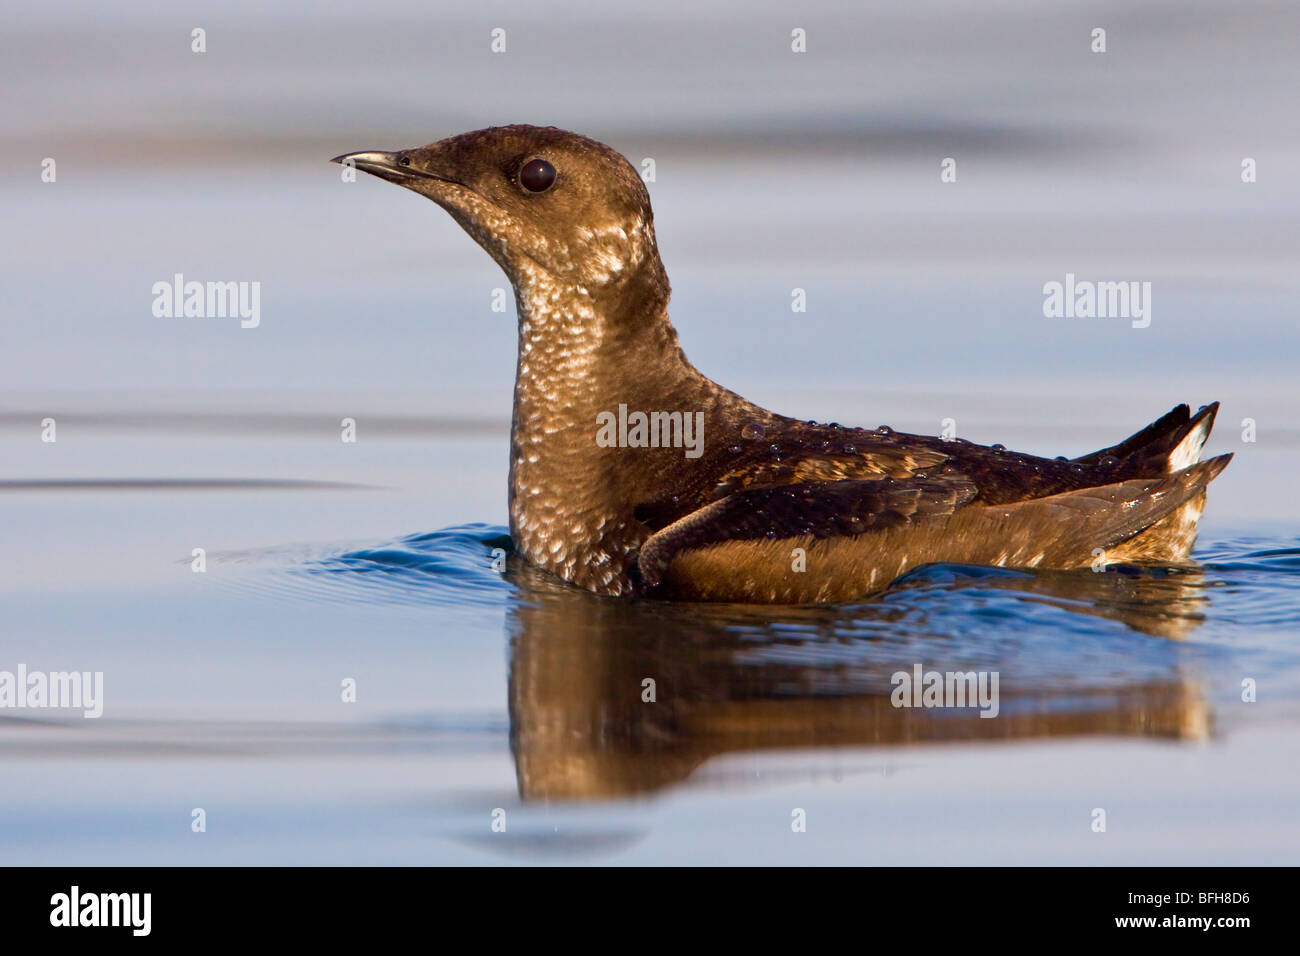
(479, 690)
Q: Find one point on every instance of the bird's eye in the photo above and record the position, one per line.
(404, 161)
(537, 176)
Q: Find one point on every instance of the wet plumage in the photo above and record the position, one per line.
(773, 509)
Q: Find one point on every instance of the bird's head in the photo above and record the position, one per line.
(533, 197)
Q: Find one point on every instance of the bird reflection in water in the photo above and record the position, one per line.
(728, 679)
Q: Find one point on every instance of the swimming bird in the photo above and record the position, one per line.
(631, 473)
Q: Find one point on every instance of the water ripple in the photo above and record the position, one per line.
(1053, 626)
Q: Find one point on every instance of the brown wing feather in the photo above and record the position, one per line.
(820, 509)
(788, 452)
(946, 518)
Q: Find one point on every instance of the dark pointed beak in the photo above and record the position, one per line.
(384, 165)
(398, 168)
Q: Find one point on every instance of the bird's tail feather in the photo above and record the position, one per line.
(1168, 445)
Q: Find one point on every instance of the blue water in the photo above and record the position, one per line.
(1053, 635)
(759, 710)
(480, 690)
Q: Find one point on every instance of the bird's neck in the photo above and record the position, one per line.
(581, 356)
